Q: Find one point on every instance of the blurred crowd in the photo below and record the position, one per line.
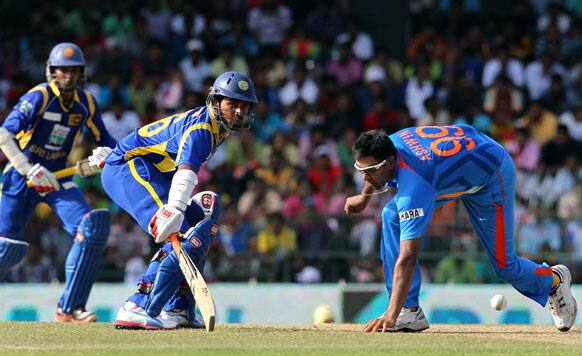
(321, 78)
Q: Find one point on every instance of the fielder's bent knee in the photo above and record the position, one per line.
(95, 227)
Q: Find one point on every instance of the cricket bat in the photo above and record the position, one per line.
(82, 168)
(197, 284)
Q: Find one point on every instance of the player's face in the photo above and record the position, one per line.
(67, 77)
(376, 172)
(233, 112)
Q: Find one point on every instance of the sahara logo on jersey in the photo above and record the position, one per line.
(411, 214)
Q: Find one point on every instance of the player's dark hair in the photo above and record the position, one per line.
(375, 143)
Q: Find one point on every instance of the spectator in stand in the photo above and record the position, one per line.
(555, 97)
(281, 145)
(346, 69)
(275, 244)
(187, 22)
(391, 68)
(194, 67)
(361, 42)
(170, 92)
(541, 123)
(118, 24)
(502, 96)
(325, 20)
(554, 16)
(557, 150)
(226, 61)
(538, 75)
(120, 121)
(537, 231)
(298, 200)
(158, 18)
(300, 86)
(524, 151)
(140, 92)
(259, 201)
(418, 89)
(278, 175)
(269, 22)
(242, 42)
(380, 116)
(503, 64)
(301, 46)
(267, 122)
(342, 118)
(244, 152)
(573, 120)
(322, 174)
(435, 114)
(456, 267)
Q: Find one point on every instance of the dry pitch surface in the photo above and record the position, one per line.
(102, 339)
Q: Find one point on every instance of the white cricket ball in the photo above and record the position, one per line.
(323, 315)
(498, 302)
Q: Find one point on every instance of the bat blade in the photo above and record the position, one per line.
(199, 289)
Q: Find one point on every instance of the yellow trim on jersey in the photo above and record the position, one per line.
(90, 124)
(166, 165)
(45, 96)
(146, 185)
(23, 138)
(8, 166)
(200, 126)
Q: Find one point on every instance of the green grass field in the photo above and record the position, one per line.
(17, 338)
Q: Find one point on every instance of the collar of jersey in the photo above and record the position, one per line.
(57, 92)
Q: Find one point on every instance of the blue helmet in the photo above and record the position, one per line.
(65, 54)
(234, 85)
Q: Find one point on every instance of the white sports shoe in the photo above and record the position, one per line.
(179, 318)
(132, 316)
(562, 302)
(409, 321)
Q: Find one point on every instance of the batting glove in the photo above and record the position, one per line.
(43, 180)
(97, 158)
(165, 222)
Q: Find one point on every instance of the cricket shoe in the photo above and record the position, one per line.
(133, 317)
(77, 316)
(410, 321)
(179, 318)
(562, 302)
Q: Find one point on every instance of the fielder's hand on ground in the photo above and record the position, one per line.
(381, 324)
(98, 156)
(43, 180)
(165, 222)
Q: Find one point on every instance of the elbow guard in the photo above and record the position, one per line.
(183, 185)
(13, 152)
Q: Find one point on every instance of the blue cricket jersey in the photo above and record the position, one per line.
(189, 138)
(46, 129)
(436, 164)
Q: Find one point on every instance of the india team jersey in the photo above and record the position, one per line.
(46, 130)
(436, 164)
(188, 138)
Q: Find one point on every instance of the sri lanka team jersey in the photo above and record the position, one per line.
(46, 130)
(436, 164)
(188, 138)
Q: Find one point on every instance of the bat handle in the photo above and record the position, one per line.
(173, 238)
